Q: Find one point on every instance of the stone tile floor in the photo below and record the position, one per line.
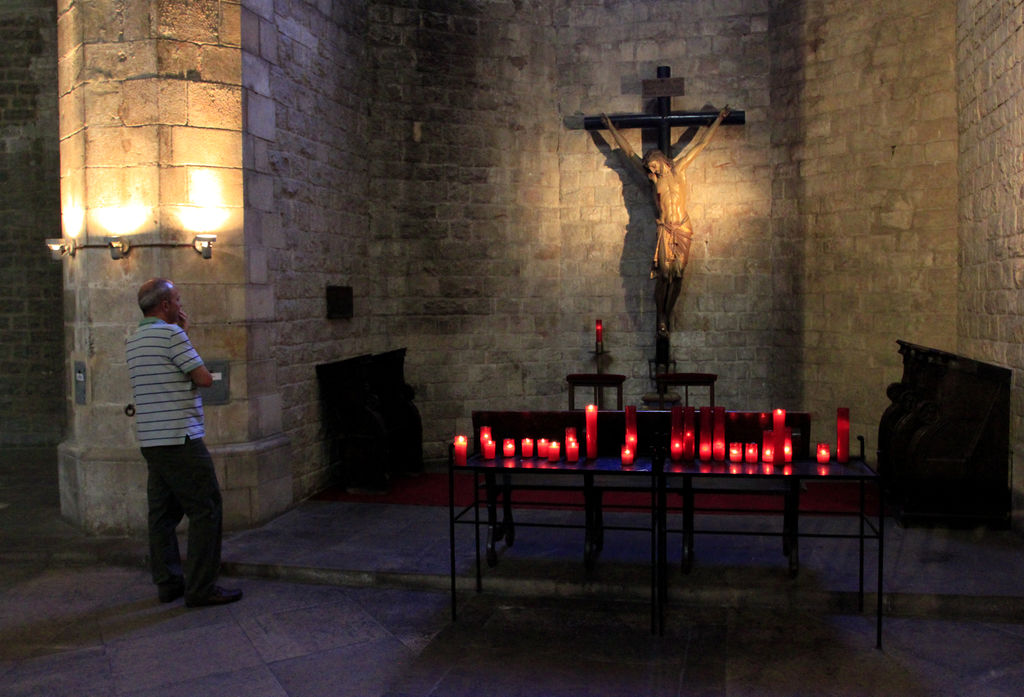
(352, 599)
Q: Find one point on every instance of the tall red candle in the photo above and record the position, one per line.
(689, 430)
(768, 447)
(591, 417)
(778, 435)
(631, 427)
(706, 432)
(485, 435)
(718, 437)
(843, 434)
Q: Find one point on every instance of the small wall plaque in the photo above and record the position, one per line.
(339, 302)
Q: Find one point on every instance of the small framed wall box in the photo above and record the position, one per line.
(339, 302)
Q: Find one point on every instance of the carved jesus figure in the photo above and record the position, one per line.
(668, 180)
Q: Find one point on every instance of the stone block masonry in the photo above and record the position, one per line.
(32, 363)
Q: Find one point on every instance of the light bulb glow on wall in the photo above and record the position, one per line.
(205, 211)
(122, 220)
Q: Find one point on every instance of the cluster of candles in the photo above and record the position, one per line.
(711, 445)
(543, 448)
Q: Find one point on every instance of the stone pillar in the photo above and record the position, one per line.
(151, 130)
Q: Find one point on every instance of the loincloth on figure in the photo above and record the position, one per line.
(673, 248)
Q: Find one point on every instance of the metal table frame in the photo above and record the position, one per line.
(662, 477)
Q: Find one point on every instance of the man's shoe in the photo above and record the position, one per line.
(218, 596)
(170, 593)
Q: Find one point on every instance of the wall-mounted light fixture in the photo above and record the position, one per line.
(119, 247)
(204, 244)
(59, 247)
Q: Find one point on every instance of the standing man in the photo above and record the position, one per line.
(165, 372)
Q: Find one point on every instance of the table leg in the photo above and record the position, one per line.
(688, 525)
(495, 533)
(593, 537)
(451, 523)
(790, 527)
(508, 523)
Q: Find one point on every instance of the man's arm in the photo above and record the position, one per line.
(684, 158)
(201, 377)
(623, 144)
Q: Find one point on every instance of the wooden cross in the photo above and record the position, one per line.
(663, 88)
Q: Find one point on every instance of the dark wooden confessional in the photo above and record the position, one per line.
(944, 442)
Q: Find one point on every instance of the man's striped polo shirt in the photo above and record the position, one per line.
(167, 407)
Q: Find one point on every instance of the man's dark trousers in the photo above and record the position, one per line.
(182, 482)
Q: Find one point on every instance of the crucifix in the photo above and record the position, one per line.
(668, 178)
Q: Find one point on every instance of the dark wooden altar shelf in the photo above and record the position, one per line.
(598, 381)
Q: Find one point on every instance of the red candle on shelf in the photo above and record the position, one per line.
(768, 447)
(599, 332)
(485, 435)
(788, 445)
(676, 449)
(526, 447)
(778, 435)
(572, 450)
(488, 448)
(627, 455)
(508, 447)
(591, 417)
(843, 434)
(823, 452)
(542, 447)
(630, 417)
(751, 452)
(735, 452)
(706, 432)
(718, 437)
(689, 429)
(554, 448)
(460, 450)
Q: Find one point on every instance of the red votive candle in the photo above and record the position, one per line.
(542, 447)
(718, 437)
(689, 429)
(627, 455)
(526, 447)
(554, 448)
(570, 433)
(488, 449)
(676, 449)
(843, 434)
(572, 450)
(591, 417)
(823, 452)
(751, 452)
(508, 447)
(735, 452)
(706, 432)
(460, 450)
(768, 447)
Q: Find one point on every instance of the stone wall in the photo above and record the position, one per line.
(865, 178)
(307, 149)
(990, 51)
(32, 362)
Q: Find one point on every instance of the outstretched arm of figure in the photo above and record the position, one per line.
(684, 158)
(623, 144)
